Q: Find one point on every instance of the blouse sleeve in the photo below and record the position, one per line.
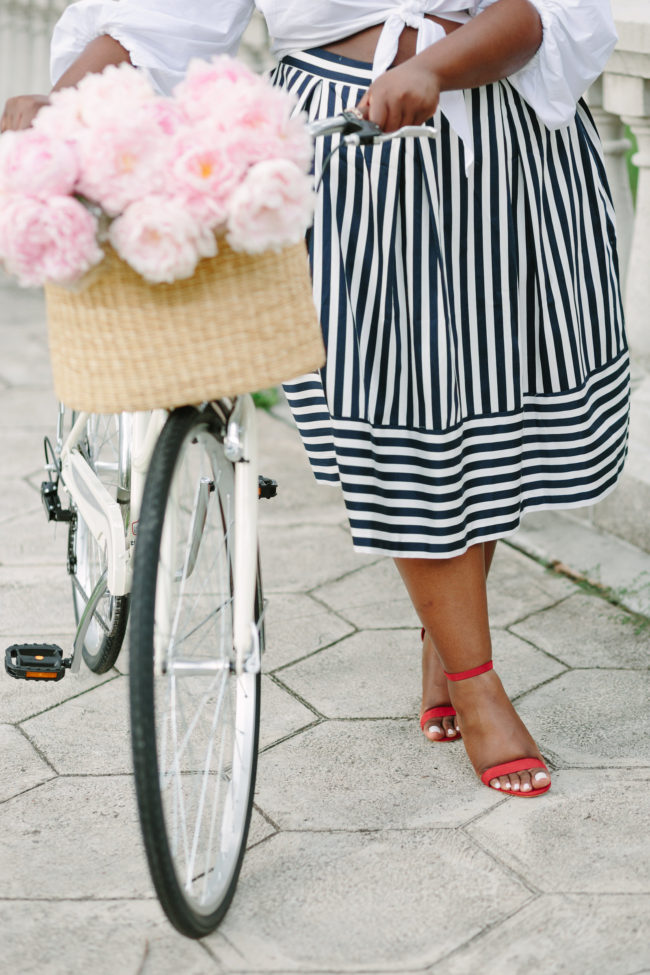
(161, 36)
(578, 38)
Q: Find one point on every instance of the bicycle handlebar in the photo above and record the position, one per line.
(357, 131)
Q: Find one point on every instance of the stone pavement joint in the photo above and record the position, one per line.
(371, 849)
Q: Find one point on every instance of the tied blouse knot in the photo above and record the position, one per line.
(162, 36)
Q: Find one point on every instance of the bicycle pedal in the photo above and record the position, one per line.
(267, 488)
(52, 503)
(35, 661)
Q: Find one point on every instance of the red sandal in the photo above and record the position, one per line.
(519, 764)
(444, 711)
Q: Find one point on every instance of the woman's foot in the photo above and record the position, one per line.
(494, 733)
(435, 693)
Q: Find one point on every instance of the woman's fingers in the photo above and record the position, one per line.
(407, 95)
(20, 111)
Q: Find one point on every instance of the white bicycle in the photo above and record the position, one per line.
(162, 522)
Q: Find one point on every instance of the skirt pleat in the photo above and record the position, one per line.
(477, 366)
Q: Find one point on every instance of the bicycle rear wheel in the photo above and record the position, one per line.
(87, 558)
(195, 723)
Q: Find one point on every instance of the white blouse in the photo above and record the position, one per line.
(162, 36)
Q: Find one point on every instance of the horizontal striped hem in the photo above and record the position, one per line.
(432, 494)
(506, 528)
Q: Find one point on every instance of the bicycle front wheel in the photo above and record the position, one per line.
(195, 723)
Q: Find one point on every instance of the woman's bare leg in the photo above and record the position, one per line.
(450, 598)
(435, 691)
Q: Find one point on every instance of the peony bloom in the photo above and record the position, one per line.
(204, 173)
(50, 240)
(209, 86)
(33, 164)
(168, 115)
(161, 240)
(272, 208)
(119, 92)
(122, 162)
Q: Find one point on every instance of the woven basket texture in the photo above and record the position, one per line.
(241, 323)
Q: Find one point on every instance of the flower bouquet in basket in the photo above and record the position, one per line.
(168, 233)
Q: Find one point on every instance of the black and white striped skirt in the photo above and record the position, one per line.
(476, 359)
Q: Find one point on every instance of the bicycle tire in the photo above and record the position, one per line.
(87, 561)
(172, 787)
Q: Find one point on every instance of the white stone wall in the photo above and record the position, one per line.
(25, 30)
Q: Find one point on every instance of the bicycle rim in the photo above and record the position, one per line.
(194, 721)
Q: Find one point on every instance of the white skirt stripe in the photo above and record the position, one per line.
(477, 365)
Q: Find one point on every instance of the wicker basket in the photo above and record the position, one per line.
(241, 323)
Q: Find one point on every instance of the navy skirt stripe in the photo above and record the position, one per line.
(476, 359)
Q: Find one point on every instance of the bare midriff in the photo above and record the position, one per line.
(361, 46)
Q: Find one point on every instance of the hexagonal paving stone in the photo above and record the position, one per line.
(585, 631)
(260, 829)
(518, 586)
(21, 699)
(570, 839)
(345, 901)
(301, 499)
(79, 837)
(99, 936)
(281, 714)
(374, 674)
(29, 540)
(32, 367)
(35, 599)
(99, 719)
(22, 766)
(520, 666)
(591, 717)
(19, 497)
(297, 558)
(374, 598)
(369, 775)
(377, 673)
(561, 934)
(23, 408)
(296, 625)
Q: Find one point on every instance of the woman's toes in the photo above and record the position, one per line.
(434, 732)
(525, 781)
(540, 778)
(448, 726)
(515, 785)
(505, 783)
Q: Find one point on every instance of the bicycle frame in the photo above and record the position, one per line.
(114, 523)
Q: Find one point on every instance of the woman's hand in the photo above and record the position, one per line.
(406, 95)
(20, 111)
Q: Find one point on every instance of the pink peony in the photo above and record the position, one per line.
(33, 164)
(204, 173)
(168, 115)
(272, 208)
(119, 92)
(122, 162)
(161, 240)
(208, 87)
(267, 131)
(47, 241)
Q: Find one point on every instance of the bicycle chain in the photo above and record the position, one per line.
(72, 533)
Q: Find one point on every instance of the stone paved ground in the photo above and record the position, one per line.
(371, 850)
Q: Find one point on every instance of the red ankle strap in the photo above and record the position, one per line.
(474, 672)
